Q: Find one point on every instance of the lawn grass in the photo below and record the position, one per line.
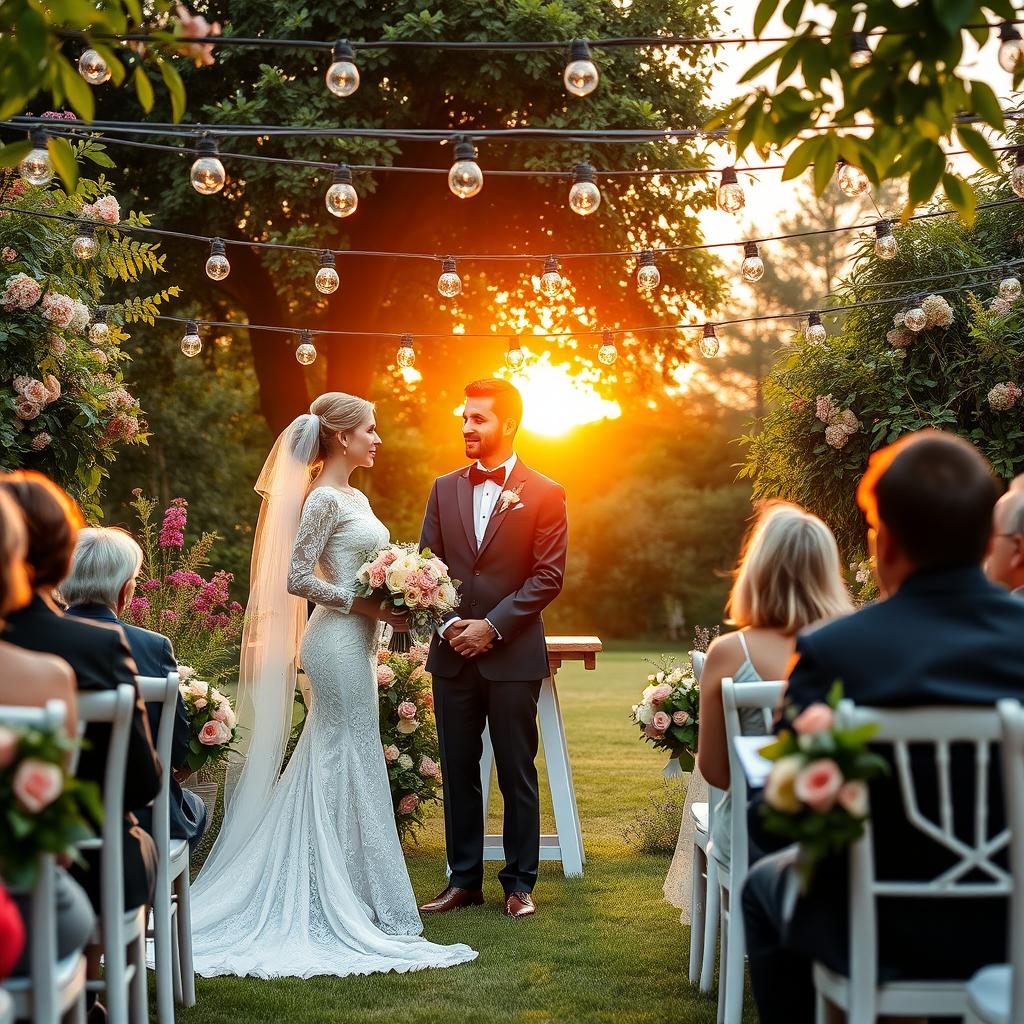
(601, 949)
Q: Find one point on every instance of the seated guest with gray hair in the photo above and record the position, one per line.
(100, 586)
(1005, 561)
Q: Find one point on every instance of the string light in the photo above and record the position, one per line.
(852, 180)
(1009, 289)
(607, 353)
(406, 356)
(93, 68)
(648, 276)
(860, 52)
(816, 332)
(515, 356)
(885, 240)
(449, 284)
(99, 330)
(1011, 47)
(581, 75)
(752, 267)
(1017, 174)
(327, 279)
(207, 174)
(731, 197)
(342, 199)
(191, 343)
(551, 281)
(343, 75)
(306, 352)
(465, 179)
(916, 318)
(709, 345)
(217, 266)
(584, 196)
(35, 168)
(84, 246)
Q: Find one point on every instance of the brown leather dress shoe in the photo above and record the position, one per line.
(453, 898)
(519, 904)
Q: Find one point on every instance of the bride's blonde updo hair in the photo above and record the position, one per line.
(338, 413)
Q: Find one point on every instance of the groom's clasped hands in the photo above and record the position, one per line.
(470, 637)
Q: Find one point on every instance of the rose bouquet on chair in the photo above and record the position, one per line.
(816, 793)
(213, 727)
(43, 809)
(668, 713)
(408, 580)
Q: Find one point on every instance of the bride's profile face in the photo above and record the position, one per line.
(363, 443)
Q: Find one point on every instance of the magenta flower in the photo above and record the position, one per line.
(139, 606)
(169, 615)
(149, 585)
(172, 530)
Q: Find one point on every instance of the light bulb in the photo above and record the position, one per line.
(217, 266)
(93, 68)
(406, 356)
(648, 277)
(84, 246)
(752, 267)
(885, 240)
(551, 281)
(465, 179)
(36, 168)
(731, 198)
(449, 284)
(816, 333)
(208, 174)
(306, 351)
(852, 180)
(343, 75)
(584, 196)
(1009, 289)
(607, 353)
(1011, 47)
(342, 199)
(191, 343)
(916, 319)
(327, 279)
(581, 76)
(709, 345)
(1017, 174)
(515, 356)
(99, 332)
(860, 52)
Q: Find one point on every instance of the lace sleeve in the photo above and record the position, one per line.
(319, 520)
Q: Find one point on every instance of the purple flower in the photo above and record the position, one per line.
(234, 607)
(172, 530)
(149, 585)
(169, 615)
(139, 606)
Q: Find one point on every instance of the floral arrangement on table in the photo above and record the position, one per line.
(816, 793)
(406, 579)
(42, 807)
(408, 734)
(212, 723)
(669, 712)
(195, 612)
(64, 404)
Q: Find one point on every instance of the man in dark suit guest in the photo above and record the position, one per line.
(941, 635)
(1005, 562)
(99, 588)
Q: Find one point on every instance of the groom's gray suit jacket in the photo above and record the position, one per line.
(513, 576)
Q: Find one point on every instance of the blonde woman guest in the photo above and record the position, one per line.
(788, 577)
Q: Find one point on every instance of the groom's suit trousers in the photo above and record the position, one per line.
(464, 703)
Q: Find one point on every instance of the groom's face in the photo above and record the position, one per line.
(482, 431)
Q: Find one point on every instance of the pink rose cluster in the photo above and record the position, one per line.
(182, 578)
(195, 26)
(842, 424)
(385, 676)
(106, 210)
(429, 768)
(378, 571)
(9, 254)
(1004, 396)
(20, 292)
(124, 427)
(172, 530)
(58, 308)
(32, 397)
(36, 783)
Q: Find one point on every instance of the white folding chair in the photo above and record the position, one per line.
(121, 933)
(861, 996)
(764, 697)
(172, 855)
(995, 995)
(53, 988)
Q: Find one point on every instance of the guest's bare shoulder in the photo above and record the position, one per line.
(42, 667)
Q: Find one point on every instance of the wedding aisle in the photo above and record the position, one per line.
(605, 948)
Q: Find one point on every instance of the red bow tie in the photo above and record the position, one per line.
(477, 475)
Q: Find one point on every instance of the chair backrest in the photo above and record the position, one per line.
(765, 697)
(697, 663)
(1011, 715)
(939, 728)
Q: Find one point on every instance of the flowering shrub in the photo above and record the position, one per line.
(42, 807)
(669, 711)
(64, 406)
(212, 723)
(175, 599)
(408, 734)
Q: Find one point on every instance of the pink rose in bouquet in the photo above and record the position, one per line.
(214, 733)
(391, 753)
(37, 784)
(408, 803)
(661, 693)
(818, 785)
(661, 721)
(814, 718)
(407, 709)
(385, 676)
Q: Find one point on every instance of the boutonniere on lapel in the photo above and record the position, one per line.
(508, 498)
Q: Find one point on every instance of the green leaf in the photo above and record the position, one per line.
(63, 159)
(14, 153)
(986, 105)
(975, 143)
(763, 14)
(79, 92)
(961, 195)
(951, 14)
(175, 88)
(926, 176)
(143, 88)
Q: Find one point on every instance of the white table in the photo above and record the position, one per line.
(566, 844)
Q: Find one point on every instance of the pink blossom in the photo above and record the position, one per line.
(139, 606)
(383, 655)
(680, 718)
(26, 410)
(196, 26)
(8, 745)
(37, 784)
(814, 718)
(836, 436)
(217, 621)
(123, 428)
(660, 693)
(385, 677)
(378, 575)
(661, 720)
(853, 798)
(107, 210)
(408, 803)
(214, 733)
(172, 530)
(818, 785)
(391, 753)
(34, 391)
(58, 308)
(825, 408)
(9, 254)
(234, 608)
(169, 615)
(419, 652)
(406, 709)
(149, 585)
(52, 386)
(41, 440)
(20, 292)
(428, 768)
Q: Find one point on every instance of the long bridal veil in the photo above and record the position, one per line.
(271, 637)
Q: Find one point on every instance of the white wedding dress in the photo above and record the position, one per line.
(321, 886)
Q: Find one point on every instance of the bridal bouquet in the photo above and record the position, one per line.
(668, 712)
(212, 724)
(412, 581)
(816, 793)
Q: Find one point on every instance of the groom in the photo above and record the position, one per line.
(501, 529)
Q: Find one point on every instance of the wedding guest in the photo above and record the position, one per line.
(1005, 562)
(788, 577)
(942, 635)
(99, 588)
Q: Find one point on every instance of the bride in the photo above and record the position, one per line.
(307, 875)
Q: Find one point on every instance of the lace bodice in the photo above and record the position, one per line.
(336, 532)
